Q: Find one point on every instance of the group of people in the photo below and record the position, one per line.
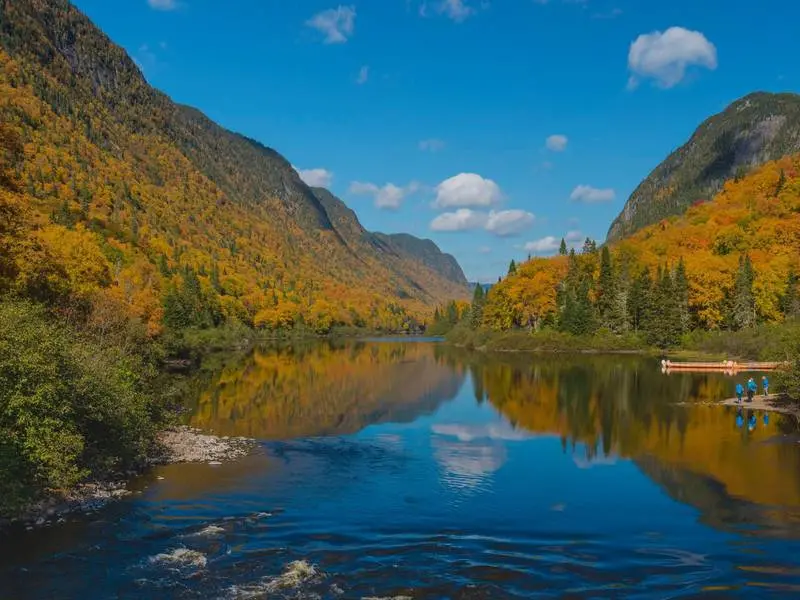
(752, 389)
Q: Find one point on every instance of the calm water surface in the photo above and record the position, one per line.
(389, 469)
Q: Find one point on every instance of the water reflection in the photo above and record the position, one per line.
(416, 470)
(324, 389)
(602, 408)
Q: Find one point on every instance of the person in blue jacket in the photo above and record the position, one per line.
(765, 383)
(739, 419)
(739, 392)
(752, 388)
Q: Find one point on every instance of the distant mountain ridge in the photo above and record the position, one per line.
(160, 180)
(755, 129)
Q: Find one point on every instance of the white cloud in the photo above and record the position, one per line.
(464, 219)
(162, 4)
(456, 9)
(389, 196)
(363, 75)
(664, 57)
(467, 189)
(591, 195)
(545, 244)
(574, 236)
(336, 23)
(315, 177)
(557, 142)
(506, 223)
(484, 250)
(431, 145)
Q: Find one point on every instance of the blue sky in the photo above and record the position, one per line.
(492, 127)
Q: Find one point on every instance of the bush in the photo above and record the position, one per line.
(69, 407)
(765, 342)
(546, 340)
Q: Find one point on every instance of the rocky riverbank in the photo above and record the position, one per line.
(176, 445)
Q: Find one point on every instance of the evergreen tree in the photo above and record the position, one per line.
(163, 266)
(476, 310)
(790, 300)
(665, 326)
(576, 311)
(744, 307)
(780, 184)
(215, 283)
(606, 291)
(562, 250)
(640, 301)
(512, 268)
(681, 289)
(452, 313)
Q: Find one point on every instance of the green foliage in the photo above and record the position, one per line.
(512, 267)
(188, 305)
(476, 309)
(69, 407)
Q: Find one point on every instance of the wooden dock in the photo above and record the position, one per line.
(727, 366)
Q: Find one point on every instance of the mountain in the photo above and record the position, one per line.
(750, 132)
(172, 204)
(395, 249)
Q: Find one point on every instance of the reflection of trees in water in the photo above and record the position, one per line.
(717, 507)
(625, 406)
(296, 390)
(604, 403)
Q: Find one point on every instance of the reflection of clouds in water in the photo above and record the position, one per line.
(467, 467)
(468, 463)
(493, 431)
(584, 462)
(389, 439)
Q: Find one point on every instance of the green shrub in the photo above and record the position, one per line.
(69, 407)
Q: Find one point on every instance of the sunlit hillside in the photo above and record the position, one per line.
(123, 198)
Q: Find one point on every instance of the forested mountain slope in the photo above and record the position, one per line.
(752, 131)
(183, 220)
(726, 264)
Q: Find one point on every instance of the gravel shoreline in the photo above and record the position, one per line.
(178, 445)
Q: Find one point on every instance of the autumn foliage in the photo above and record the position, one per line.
(730, 263)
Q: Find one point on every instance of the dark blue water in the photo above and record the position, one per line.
(390, 470)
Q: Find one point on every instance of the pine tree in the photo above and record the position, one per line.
(681, 289)
(640, 301)
(562, 250)
(452, 313)
(790, 300)
(780, 184)
(163, 266)
(665, 326)
(512, 267)
(606, 291)
(744, 301)
(476, 310)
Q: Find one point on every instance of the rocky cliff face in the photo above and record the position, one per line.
(752, 131)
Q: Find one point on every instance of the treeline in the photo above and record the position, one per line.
(589, 293)
(729, 265)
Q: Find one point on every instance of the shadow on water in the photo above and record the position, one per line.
(391, 469)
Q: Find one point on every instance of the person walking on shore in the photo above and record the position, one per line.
(765, 383)
(739, 392)
(752, 388)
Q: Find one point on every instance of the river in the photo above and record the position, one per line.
(392, 469)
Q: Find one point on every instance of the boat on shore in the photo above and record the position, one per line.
(726, 366)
